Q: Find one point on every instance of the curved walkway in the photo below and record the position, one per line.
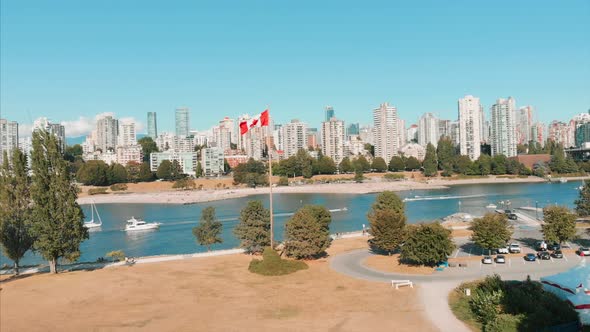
(434, 289)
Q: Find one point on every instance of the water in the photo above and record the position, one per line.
(175, 234)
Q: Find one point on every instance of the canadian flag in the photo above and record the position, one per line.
(260, 120)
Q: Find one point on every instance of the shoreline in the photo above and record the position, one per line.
(182, 197)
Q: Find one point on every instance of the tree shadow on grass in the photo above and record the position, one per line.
(16, 277)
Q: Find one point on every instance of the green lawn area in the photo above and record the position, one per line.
(273, 265)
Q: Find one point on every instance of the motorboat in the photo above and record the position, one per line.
(93, 224)
(140, 225)
(491, 206)
(562, 180)
(339, 210)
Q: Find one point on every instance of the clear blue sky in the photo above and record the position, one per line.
(65, 59)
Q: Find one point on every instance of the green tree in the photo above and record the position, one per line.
(72, 152)
(253, 230)
(499, 164)
(145, 172)
(164, 171)
(199, 170)
(379, 165)
(133, 169)
(361, 164)
(412, 164)
(358, 176)
(430, 163)
(445, 153)
(325, 165)
(147, 147)
(209, 229)
(184, 184)
(307, 233)
(251, 173)
(15, 208)
(560, 224)
(462, 164)
(345, 165)
(427, 244)
(226, 166)
(387, 221)
(397, 164)
(370, 149)
(116, 174)
(57, 218)
(491, 231)
(583, 202)
(176, 171)
(485, 164)
(94, 173)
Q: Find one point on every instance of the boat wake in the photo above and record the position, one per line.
(443, 197)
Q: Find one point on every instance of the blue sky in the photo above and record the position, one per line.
(71, 59)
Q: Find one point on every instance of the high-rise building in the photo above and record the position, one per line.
(107, 132)
(223, 133)
(559, 132)
(412, 134)
(503, 134)
(385, 131)
(277, 137)
(8, 137)
(212, 161)
(329, 110)
(367, 134)
(127, 136)
(54, 128)
(352, 129)
(182, 122)
(312, 138)
(428, 130)
(538, 133)
(524, 124)
(455, 132)
(444, 128)
(295, 137)
(583, 134)
(152, 125)
(401, 132)
(470, 123)
(333, 139)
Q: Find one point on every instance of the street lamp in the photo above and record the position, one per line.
(537, 210)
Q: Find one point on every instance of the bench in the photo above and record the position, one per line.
(398, 283)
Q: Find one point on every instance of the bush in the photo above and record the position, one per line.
(97, 191)
(185, 183)
(273, 265)
(504, 323)
(283, 181)
(393, 177)
(119, 187)
(116, 255)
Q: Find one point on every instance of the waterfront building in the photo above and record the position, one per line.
(129, 153)
(559, 132)
(127, 135)
(8, 137)
(355, 146)
(107, 133)
(470, 123)
(212, 162)
(385, 133)
(524, 125)
(168, 141)
(428, 126)
(538, 133)
(152, 125)
(182, 122)
(295, 137)
(187, 160)
(582, 134)
(503, 134)
(333, 138)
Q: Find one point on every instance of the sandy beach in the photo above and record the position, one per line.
(209, 294)
(162, 192)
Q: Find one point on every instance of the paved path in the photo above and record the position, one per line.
(434, 289)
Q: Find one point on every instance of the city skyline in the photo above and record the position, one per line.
(402, 55)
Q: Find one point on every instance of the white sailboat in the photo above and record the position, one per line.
(93, 224)
(140, 225)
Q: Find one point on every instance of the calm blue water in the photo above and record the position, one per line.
(175, 234)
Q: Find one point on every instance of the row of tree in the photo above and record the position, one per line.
(39, 211)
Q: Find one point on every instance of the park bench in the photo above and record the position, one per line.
(398, 283)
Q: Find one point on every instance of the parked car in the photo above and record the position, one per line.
(554, 246)
(487, 260)
(557, 254)
(583, 251)
(514, 248)
(503, 250)
(540, 246)
(500, 259)
(512, 216)
(530, 257)
(544, 255)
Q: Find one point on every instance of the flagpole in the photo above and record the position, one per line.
(270, 185)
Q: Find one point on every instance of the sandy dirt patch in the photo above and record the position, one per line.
(391, 264)
(208, 294)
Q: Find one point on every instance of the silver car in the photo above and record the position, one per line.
(500, 259)
(487, 260)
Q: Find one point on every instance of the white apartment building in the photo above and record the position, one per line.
(333, 139)
(367, 134)
(212, 162)
(413, 150)
(107, 133)
(294, 137)
(129, 153)
(277, 137)
(412, 133)
(538, 133)
(428, 130)
(168, 141)
(401, 131)
(253, 142)
(355, 146)
(8, 137)
(503, 136)
(187, 160)
(524, 125)
(385, 131)
(127, 135)
(470, 126)
(560, 133)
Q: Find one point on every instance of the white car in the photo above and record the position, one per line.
(503, 250)
(500, 259)
(583, 251)
(514, 248)
(487, 260)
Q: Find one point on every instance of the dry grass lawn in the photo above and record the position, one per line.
(391, 264)
(208, 294)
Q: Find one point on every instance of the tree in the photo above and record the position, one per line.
(379, 165)
(147, 147)
(93, 173)
(133, 169)
(361, 164)
(209, 229)
(145, 172)
(560, 224)
(15, 208)
(485, 164)
(370, 149)
(387, 221)
(462, 164)
(57, 219)
(430, 163)
(498, 164)
(491, 231)
(226, 166)
(445, 153)
(72, 152)
(412, 164)
(253, 230)
(345, 165)
(164, 171)
(583, 202)
(176, 172)
(251, 173)
(427, 244)
(397, 164)
(307, 233)
(199, 170)
(358, 176)
(184, 183)
(116, 174)
(325, 165)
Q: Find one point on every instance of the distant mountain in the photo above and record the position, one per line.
(80, 139)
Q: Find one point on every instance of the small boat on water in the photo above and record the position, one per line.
(339, 210)
(562, 180)
(93, 224)
(140, 225)
(491, 206)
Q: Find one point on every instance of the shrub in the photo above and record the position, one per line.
(185, 183)
(97, 191)
(283, 181)
(117, 255)
(503, 323)
(273, 265)
(393, 177)
(119, 187)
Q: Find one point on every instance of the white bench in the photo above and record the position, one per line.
(398, 283)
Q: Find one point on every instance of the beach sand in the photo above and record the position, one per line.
(208, 294)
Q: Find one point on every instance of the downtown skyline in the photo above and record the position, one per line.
(420, 59)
